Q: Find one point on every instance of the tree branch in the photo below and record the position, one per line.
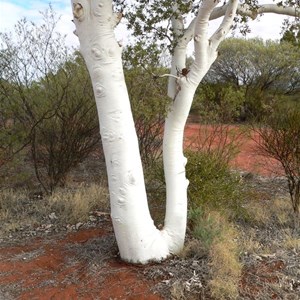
(245, 10)
(226, 24)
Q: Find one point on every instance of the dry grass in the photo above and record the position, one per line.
(217, 239)
(14, 212)
(177, 291)
(249, 243)
(20, 209)
(193, 248)
(224, 264)
(274, 214)
(281, 209)
(264, 212)
(291, 241)
(75, 206)
(258, 213)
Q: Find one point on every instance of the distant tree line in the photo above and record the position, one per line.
(248, 79)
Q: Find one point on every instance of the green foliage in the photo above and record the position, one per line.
(156, 190)
(151, 21)
(212, 184)
(216, 238)
(148, 99)
(70, 132)
(219, 102)
(204, 226)
(260, 72)
(292, 34)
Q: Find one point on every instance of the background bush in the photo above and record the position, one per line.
(48, 115)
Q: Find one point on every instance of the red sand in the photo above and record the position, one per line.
(248, 159)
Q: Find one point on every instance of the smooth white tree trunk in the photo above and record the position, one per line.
(139, 241)
(137, 237)
(182, 91)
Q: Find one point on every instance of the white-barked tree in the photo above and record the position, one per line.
(138, 239)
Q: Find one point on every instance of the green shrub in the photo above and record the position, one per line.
(212, 184)
(204, 226)
(156, 189)
(219, 102)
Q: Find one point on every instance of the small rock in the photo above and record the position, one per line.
(78, 225)
(70, 227)
(52, 216)
(257, 257)
(195, 263)
(268, 255)
(92, 218)
(48, 226)
(101, 213)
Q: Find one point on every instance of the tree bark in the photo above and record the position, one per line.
(138, 239)
(182, 91)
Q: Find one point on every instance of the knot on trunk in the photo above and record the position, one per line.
(78, 11)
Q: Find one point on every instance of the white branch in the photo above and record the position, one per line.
(200, 37)
(189, 32)
(164, 75)
(177, 21)
(226, 24)
(179, 55)
(245, 10)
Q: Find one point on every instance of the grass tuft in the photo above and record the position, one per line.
(217, 238)
(225, 267)
(75, 206)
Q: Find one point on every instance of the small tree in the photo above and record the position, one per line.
(260, 71)
(279, 138)
(219, 102)
(69, 132)
(46, 101)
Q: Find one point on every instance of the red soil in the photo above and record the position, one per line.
(248, 158)
(48, 269)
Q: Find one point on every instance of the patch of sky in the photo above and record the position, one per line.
(31, 4)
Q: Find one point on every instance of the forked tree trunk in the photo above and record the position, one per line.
(139, 241)
(137, 237)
